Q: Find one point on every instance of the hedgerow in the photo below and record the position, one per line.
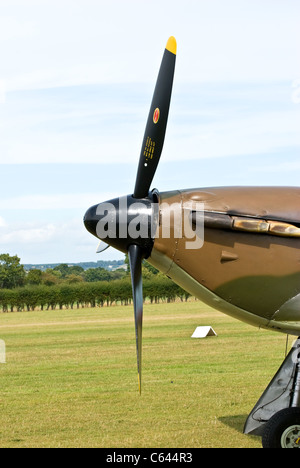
(84, 294)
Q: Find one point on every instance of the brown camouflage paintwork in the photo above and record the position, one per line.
(256, 272)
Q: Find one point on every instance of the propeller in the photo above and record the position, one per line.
(129, 223)
(157, 122)
(135, 255)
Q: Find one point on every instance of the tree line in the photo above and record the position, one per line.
(67, 288)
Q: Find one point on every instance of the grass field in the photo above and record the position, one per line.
(70, 379)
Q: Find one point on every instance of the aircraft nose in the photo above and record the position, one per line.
(102, 220)
(91, 219)
(124, 221)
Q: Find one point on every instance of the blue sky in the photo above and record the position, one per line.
(76, 82)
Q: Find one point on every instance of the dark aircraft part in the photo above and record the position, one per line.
(283, 392)
(157, 123)
(124, 221)
(129, 223)
(283, 430)
(135, 254)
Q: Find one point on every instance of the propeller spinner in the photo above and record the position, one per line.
(129, 223)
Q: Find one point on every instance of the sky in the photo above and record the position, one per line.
(76, 83)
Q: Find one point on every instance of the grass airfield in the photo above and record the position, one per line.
(70, 378)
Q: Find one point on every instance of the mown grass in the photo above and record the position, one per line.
(70, 379)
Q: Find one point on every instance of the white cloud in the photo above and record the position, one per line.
(290, 167)
(12, 27)
(216, 42)
(58, 242)
(296, 91)
(78, 201)
(28, 234)
(87, 41)
(2, 91)
(262, 132)
(2, 222)
(249, 119)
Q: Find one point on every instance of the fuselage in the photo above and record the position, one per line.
(248, 263)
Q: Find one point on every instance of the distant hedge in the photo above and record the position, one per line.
(96, 294)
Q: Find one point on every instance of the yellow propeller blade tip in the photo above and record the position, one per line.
(172, 45)
(140, 388)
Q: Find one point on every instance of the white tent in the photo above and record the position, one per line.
(203, 332)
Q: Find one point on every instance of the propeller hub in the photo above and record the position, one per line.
(125, 221)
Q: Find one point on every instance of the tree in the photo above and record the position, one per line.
(67, 270)
(126, 261)
(62, 268)
(73, 278)
(34, 277)
(50, 278)
(150, 268)
(12, 273)
(97, 274)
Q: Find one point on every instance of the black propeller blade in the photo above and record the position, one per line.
(135, 254)
(157, 122)
(128, 223)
